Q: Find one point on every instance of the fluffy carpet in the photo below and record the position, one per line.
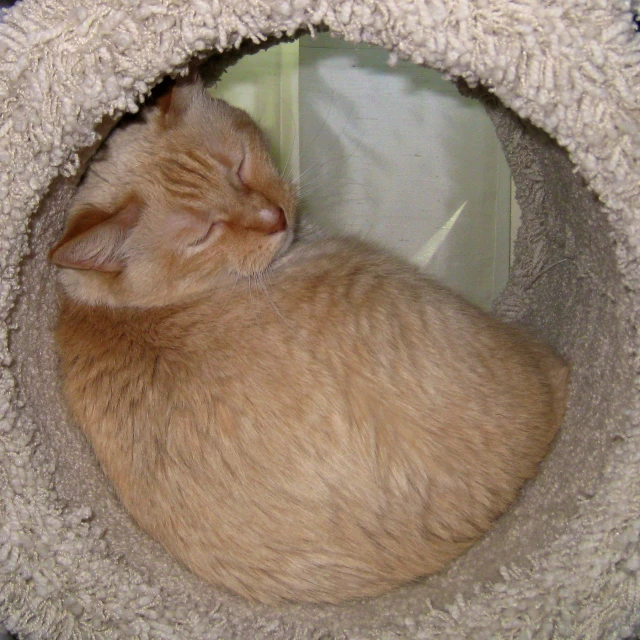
(565, 561)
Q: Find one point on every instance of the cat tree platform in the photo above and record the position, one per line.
(565, 561)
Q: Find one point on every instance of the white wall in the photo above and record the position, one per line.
(397, 155)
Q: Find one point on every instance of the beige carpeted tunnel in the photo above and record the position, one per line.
(565, 562)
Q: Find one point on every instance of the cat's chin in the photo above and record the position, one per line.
(279, 245)
(287, 240)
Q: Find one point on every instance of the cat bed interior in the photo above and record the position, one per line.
(565, 561)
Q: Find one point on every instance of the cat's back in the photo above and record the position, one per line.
(346, 333)
(345, 289)
(368, 423)
(330, 308)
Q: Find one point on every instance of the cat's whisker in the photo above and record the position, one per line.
(252, 302)
(226, 302)
(261, 280)
(101, 177)
(323, 125)
(316, 166)
(319, 183)
(303, 175)
(290, 154)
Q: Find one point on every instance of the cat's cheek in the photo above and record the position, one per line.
(88, 287)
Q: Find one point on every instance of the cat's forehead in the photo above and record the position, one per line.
(221, 122)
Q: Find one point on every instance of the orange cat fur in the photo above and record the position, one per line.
(308, 419)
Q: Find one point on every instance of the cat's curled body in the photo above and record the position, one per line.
(310, 420)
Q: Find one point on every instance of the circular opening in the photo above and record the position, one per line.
(395, 155)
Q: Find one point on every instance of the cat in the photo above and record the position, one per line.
(294, 416)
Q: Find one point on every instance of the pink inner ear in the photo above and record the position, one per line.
(243, 170)
(94, 238)
(169, 108)
(174, 103)
(164, 101)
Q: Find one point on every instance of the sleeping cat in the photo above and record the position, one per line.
(294, 416)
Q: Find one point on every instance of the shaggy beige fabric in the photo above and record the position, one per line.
(565, 562)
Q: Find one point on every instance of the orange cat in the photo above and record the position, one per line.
(301, 418)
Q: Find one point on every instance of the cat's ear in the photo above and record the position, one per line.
(168, 112)
(175, 102)
(95, 239)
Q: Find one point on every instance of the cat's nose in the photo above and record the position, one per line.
(274, 219)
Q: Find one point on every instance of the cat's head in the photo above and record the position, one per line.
(177, 204)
